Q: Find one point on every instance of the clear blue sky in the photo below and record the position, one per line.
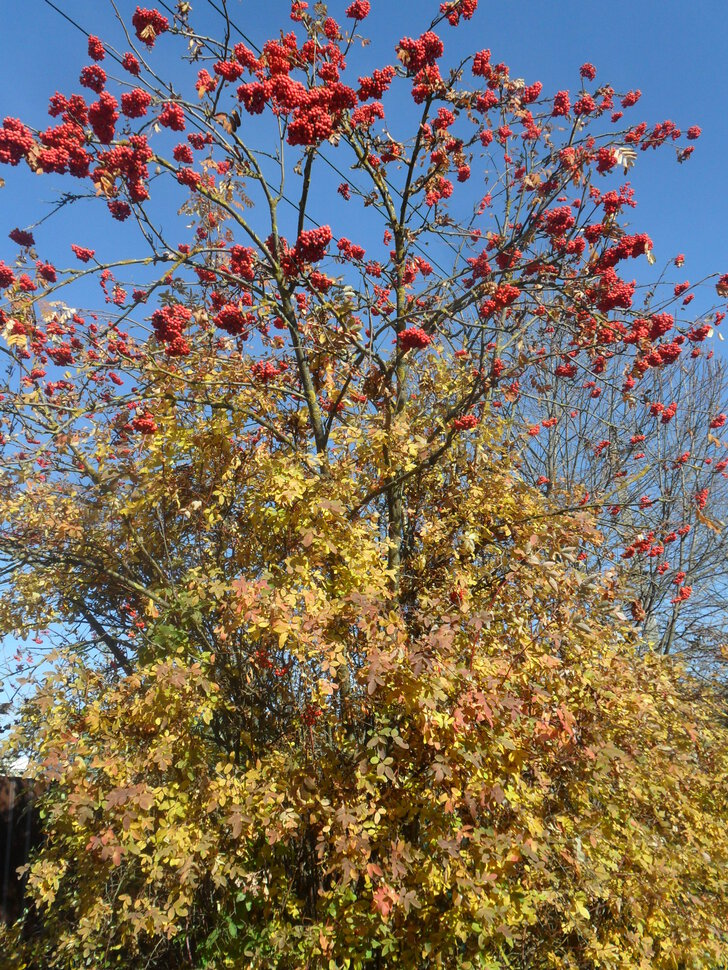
(674, 51)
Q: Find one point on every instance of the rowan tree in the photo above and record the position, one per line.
(336, 686)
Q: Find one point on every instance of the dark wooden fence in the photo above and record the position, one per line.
(19, 833)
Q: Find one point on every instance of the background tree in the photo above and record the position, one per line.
(652, 464)
(336, 687)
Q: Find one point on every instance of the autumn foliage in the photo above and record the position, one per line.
(334, 682)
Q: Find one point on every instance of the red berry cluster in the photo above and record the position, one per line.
(228, 70)
(611, 292)
(169, 323)
(102, 116)
(127, 162)
(321, 114)
(505, 295)
(61, 355)
(96, 49)
(413, 338)
(316, 111)
(310, 714)
(465, 423)
(190, 178)
(64, 146)
(456, 9)
(81, 253)
(349, 250)
(311, 245)
(205, 83)
(420, 53)
(22, 237)
(7, 277)
(172, 116)
(358, 10)
(562, 105)
(119, 209)
(198, 140)
(93, 77)
(628, 247)
(16, 141)
(374, 85)
(149, 24)
(131, 64)
(234, 320)
(481, 65)
(585, 105)
(365, 116)
(134, 103)
(144, 424)
(242, 262)
(183, 153)
(243, 55)
(46, 271)
(263, 372)
(557, 222)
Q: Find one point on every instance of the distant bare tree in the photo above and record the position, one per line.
(671, 470)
